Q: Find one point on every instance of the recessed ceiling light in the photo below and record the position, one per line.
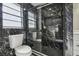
(51, 14)
(24, 8)
(50, 9)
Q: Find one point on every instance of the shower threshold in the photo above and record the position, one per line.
(36, 53)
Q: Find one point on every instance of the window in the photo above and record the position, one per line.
(12, 17)
(32, 19)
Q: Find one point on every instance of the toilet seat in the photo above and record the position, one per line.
(23, 51)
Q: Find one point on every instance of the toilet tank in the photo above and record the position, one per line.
(15, 40)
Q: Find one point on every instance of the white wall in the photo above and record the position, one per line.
(75, 28)
(76, 17)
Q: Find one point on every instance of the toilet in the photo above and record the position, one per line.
(16, 44)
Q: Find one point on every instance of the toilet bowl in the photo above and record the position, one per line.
(23, 51)
(16, 44)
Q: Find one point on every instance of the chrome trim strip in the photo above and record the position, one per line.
(38, 53)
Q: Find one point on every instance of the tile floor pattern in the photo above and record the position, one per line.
(47, 50)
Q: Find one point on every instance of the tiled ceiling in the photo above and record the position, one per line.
(52, 10)
(37, 4)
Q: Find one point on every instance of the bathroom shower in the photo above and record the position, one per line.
(36, 29)
(52, 29)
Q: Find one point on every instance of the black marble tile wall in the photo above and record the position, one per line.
(5, 49)
(0, 22)
(68, 28)
(4, 42)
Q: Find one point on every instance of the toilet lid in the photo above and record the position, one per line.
(23, 49)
